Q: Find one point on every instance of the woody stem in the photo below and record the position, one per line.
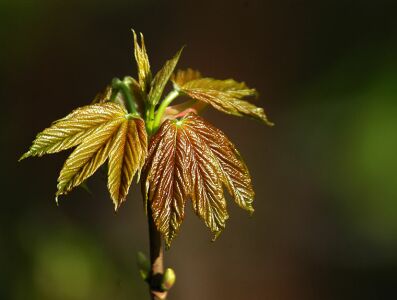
(156, 260)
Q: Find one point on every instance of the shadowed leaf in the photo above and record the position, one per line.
(162, 77)
(136, 92)
(103, 96)
(189, 158)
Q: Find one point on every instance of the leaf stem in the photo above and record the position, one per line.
(164, 104)
(150, 119)
(122, 87)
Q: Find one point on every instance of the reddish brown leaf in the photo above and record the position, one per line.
(167, 180)
(189, 158)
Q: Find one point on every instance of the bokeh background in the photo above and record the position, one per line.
(325, 225)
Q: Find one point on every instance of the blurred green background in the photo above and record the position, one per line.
(325, 225)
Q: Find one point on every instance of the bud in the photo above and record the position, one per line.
(168, 279)
(143, 265)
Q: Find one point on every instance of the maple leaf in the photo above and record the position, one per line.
(180, 77)
(143, 65)
(162, 77)
(73, 129)
(191, 159)
(126, 157)
(187, 158)
(103, 96)
(100, 131)
(225, 95)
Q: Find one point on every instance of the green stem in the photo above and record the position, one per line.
(160, 111)
(150, 119)
(119, 85)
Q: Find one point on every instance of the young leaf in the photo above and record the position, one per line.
(126, 157)
(74, 128)
(87, 157)
(233, 171)
(183, 76)
(189, 158)
(142, 61)
(100, 130)
(103, 96)
(224, 95)
(162, 77)
(136, 92)
(166, 184)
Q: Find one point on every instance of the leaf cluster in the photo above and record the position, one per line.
(183, 157)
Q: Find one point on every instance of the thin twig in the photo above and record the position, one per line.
(156, 260)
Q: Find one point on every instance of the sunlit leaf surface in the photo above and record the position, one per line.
(191, 159)
(100, 131)
(225, 95)
(142, 61)
(126, 157)
(74, 128)
(183, 76)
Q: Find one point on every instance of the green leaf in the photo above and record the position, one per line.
(143, 65)
(126, 157)
(87, 157)
(224, 95)
(74, 128)
(162, 77)
(181, 77)
(100, 131)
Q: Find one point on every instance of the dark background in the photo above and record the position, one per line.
(325, 225)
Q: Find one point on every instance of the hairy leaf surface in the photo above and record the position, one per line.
(162, 77)
(224, 95)
(142, 61)
(74, 128)
(189, 158)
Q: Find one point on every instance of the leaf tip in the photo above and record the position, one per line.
(168, 240)
(269, 123)
(57, 200)
(251, 211)
(216, 235)
(167, 245)
(116, 206)
(25, 155)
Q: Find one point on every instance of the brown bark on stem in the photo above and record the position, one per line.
(156, 260)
